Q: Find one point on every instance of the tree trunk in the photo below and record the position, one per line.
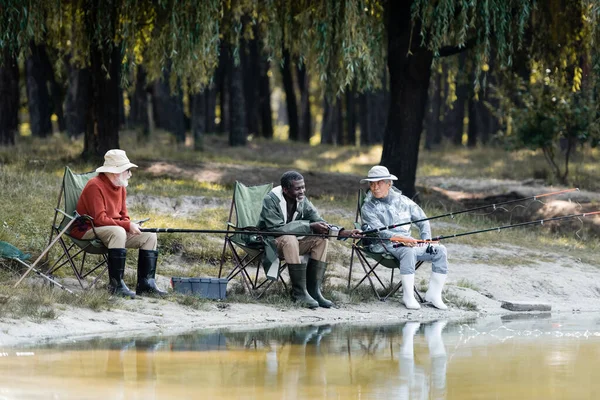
(211, 105)
(9, 99)
(474, 121)
(333, 124)
(351, 117)
(409, 83)
(77, 100)
(138, 114)
(57, 96)
(238, 134)
(38, 98)
(178, 118)
(102, 117)
(250, 71)
(290, 96)
(223, 73)
(363, 120)
(305, 114)
(168, 108)
(432, 128)
(198, 111)
(373, 111)
(326, 122)
(264, 100)
(454, 122)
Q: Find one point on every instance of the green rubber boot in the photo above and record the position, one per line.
(299, 292)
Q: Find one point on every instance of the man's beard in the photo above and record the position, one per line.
(121, 181)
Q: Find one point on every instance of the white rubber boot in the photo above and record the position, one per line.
(434, 293)
(408, 294)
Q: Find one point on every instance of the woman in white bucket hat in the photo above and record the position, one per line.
(104, 199)
(384, 206)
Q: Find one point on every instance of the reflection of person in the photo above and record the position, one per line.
(407, 359)
(385, 205)
(437, 353)
(104, 199)
(286, 209)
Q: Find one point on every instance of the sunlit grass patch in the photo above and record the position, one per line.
(465, 283)
(452, 299)
(499, 163)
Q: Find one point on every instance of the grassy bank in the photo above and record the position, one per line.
(31, 172)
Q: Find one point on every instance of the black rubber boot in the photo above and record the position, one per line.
(315, 273)
(146, 273)
(116, 270)
(299, 293)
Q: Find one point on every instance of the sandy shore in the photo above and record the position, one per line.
(566, 284)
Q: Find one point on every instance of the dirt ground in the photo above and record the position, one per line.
(566, 283)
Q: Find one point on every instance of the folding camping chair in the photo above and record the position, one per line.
(75, 250)
(247, 250)
(370, 262)
(10, 252)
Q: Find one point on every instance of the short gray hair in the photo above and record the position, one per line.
(289, 177)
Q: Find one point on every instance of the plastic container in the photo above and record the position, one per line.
(208, 288)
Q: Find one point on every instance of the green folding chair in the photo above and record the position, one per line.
(75, 251)
(10, 252)
(371, 263)
(247, 250)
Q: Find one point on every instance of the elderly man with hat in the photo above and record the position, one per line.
(384, 206)
(104, 199)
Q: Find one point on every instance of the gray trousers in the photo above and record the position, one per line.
(408, 257)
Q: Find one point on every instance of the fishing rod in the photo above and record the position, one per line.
(400, 240)
(234, 232)
(452, 214)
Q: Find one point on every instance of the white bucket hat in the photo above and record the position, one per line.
(115, 161)
(378, 173)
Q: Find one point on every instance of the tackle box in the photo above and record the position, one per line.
(209, 288)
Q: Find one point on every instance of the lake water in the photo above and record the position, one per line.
(522, 357)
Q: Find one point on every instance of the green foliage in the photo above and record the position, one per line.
(550, 115)
(342, 40)
(497, 24)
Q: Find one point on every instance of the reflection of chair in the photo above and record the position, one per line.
(75, 250)
(247, 250)
(370, 262)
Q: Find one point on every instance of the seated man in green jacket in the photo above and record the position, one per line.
(286, 209)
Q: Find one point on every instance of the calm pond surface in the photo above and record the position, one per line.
(531, 357)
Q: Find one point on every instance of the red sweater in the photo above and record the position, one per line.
(104, 202)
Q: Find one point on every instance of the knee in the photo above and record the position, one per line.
(288, 240)
(151, 242)
(441, 252)
(407, 253)
(118, 235)
(322, 243)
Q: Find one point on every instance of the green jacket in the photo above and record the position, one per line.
(272, 218)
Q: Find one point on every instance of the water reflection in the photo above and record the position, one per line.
(544, 358)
